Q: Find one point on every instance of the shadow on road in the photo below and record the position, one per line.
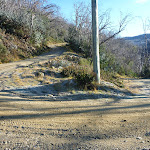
(43, 97)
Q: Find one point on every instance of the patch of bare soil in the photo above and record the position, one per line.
(47, 113)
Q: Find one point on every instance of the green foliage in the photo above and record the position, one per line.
(36, 38)
(79, 43)
(69, 71)
(73, 39)
(72, 58)
(111, 77)
(85, 62)
(84, 77)
(121, 70)
(13, 27)
(30, 20)
(108, 62)
(3, 53)
(3, 49)
(145, 72)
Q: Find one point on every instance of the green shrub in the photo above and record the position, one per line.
(75, 59)
(84, 62)
(145, 72)
(3, 49)
(111, 77)
(69, 71)
(3, 54)
(84, 78)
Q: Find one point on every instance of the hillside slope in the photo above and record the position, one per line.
(12, 48)
(139, 40)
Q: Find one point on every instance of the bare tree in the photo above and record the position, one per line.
(145, 29)
(83, 24)
(40, 20)
(124, 20)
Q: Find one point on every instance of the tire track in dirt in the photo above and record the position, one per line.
(138, 86)
(9, 69)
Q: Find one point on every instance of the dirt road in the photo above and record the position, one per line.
(70, 120)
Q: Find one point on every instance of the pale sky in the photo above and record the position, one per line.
(139, 9)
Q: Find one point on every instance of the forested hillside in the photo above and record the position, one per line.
(139, 40)
(28, 26)
(116, 54)
(142, 42)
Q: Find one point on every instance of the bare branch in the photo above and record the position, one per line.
(122, 25)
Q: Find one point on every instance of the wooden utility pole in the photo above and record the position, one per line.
(95, 35)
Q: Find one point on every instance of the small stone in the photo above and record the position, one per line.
(60, 67)
(147, 134)
(124, 120)
(16, 127)
(39, 74)
(139, 138)
(142, 142)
